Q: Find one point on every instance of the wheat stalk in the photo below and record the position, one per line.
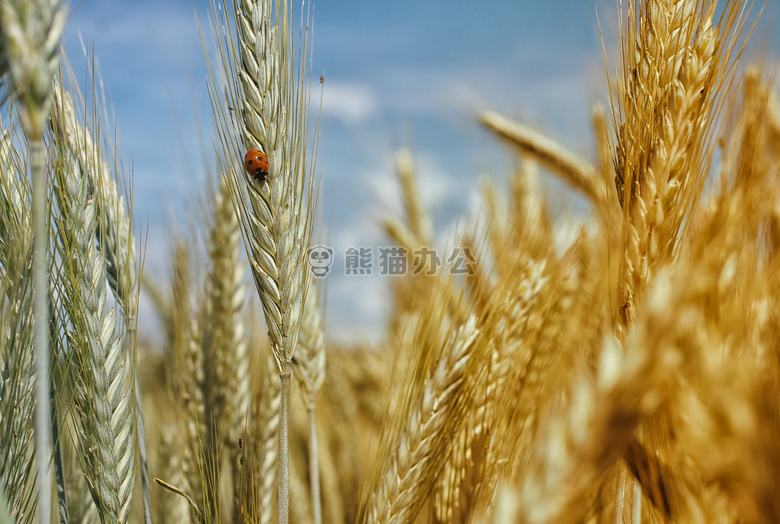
(269, 84)
(576, 171)
(273, 213)
(30, 34)
(672, 95)
(416, 452)
(188, 359)
(115, 235)
(105, 404)
(230, 391)
(652, 54)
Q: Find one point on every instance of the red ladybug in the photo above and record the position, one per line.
(256, 164)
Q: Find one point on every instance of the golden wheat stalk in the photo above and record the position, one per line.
(188, 360)
(416, 453)
(675, 67)
(574, 170)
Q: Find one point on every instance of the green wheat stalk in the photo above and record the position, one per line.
(104, 387)
(115, 235)
(29, 37)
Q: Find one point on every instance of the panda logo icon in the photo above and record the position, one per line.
(320, 260)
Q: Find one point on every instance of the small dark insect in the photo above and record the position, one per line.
(322, 79)
(256, 164)
(241, 443)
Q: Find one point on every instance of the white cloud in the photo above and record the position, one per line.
(435, 186)
(361, 309)
(351, 103)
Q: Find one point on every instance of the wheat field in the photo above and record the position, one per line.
(630, 375)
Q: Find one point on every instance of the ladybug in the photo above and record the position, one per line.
(256, 164)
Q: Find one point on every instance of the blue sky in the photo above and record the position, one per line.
(406, 73)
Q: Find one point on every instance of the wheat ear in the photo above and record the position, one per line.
(116, 239)
(30, 33)
(416, 218)
(652, 52)
(228, 345)
(417, 450)
(574, 170)
(188, 361)
(104, 402)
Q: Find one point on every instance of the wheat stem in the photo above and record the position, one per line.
(30, 35)
(41, 308)
(283, 440)
(275, 213)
